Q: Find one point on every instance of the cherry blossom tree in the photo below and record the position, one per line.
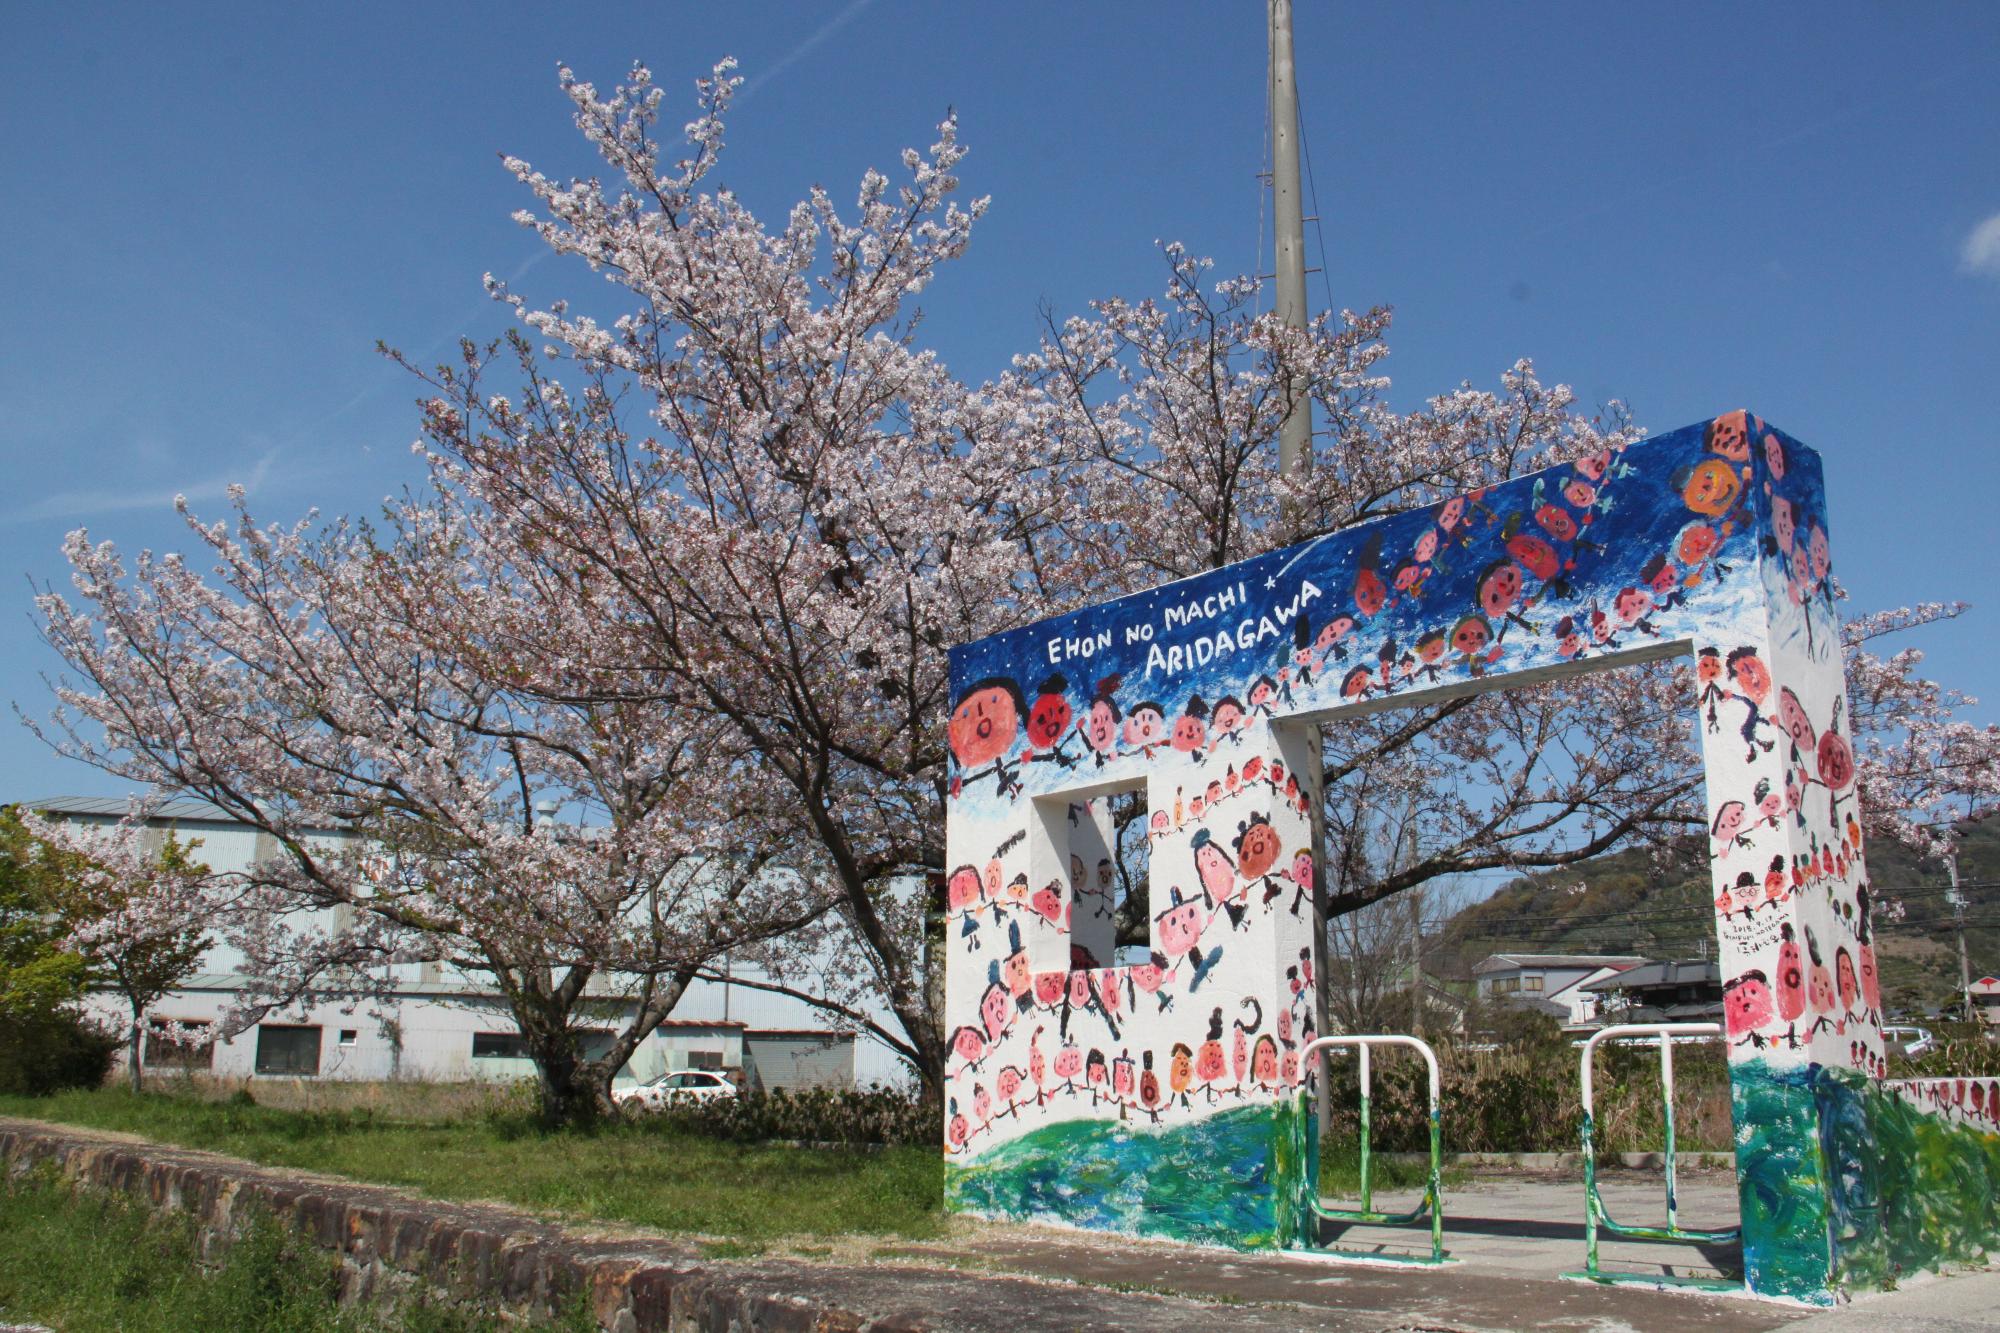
(802, 511)
(138, 909)
(397, 712)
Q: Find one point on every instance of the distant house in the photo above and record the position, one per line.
(1550, 983)
(1986, 999)
(1676, 992)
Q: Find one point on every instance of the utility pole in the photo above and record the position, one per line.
(1958, 921)
(1295, 436)
(1408, 859)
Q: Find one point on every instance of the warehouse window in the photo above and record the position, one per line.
(499, 1046)
(292, 1051)
(180, 1043)
(704, 1059)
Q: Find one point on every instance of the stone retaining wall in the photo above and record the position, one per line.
(392, 1242)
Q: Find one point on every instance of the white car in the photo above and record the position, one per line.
(680, 1085)
(1915, 1041)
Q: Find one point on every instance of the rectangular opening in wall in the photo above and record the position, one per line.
(1089, 870)
(349, 1036)
(288, 1051)
(499, 1046)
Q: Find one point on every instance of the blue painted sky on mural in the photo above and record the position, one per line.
(1691, 208)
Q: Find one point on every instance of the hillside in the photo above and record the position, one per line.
(1631, 903)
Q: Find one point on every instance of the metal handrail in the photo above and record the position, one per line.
(1596, 1216)
(1433, 1200)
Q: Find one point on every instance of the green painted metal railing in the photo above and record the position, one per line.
(1596, 1217)
(1432, 1206)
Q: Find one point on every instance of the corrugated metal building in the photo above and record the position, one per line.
(441, 1025)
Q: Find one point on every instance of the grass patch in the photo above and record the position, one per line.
(645, 1173)
(1340, 1171)
(84, 1262)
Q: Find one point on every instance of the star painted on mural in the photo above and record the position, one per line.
(1270, 583)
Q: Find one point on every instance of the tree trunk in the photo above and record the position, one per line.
(568, 1099)
(930, 1068)
(138, 1052)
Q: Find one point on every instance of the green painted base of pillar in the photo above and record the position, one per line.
(1240, 1178)
(1846, 1186)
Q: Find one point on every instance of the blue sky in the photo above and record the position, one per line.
(217, 211)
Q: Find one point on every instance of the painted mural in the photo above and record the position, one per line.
(1081, 1073)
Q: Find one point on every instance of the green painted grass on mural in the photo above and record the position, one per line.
(1236, 1178)
(1847, 1185)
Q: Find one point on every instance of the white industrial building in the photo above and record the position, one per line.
(441, 1025)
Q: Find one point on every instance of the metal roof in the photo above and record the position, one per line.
(1502, 962)
(117, 807)
(1689, 973)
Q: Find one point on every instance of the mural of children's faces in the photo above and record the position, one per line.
(1471, 635)
(1580, 493)
(1100, 733)
(1556, 521)
(985, 722)
(1264, 1063)
(1696, 543)
(1708, 667)
(1774, 457)
(1821, 553)
(1792, 717)
(1729, 821)
(1752, 677)
(1729, 436)
(1427, 546)
(1257, 847)
(1499, 586)
(1453, 511)
(1633, 605)
(1835, 761)
(1211, 863)
(1370, 593)
(1302, 868)
(1537, 555)
(1711, 487)
(1332, 632)
(1049, 717)
(995, 1010)
(1783, 522)
(1593, 466)
(962, 890)
(1846, 979)
(1147, 725)
(1746, 1003)
(1178, 929)
(1191, 727)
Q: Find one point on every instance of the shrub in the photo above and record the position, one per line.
(1963, 1050)
(816, 1115)
(46, 1052)
(1524, 1097)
